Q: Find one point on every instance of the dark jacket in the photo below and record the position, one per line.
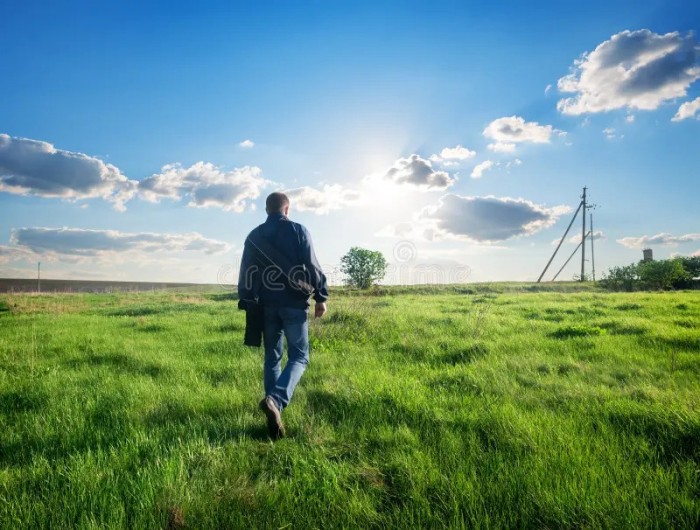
(257, 281)
(263, 280)
(254, 322)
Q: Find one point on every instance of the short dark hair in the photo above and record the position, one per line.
(276, 202)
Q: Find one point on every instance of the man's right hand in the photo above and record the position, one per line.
(320, 309)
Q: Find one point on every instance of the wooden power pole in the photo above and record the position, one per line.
(583, 237)
(582, 207)
(592, 253)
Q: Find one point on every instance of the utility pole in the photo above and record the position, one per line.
(592, 253)
(582, 207)
(38, 277)
(583, 236)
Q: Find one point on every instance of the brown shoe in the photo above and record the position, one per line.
(275, 428)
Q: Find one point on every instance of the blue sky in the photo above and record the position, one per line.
(454, 137)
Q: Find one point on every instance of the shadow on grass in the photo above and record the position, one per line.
(409, 352)
(13, 402)
(104, 424)
(338, 409)
(678, 343)
(445, 354)
(628, 307)
(119, 362)
(616, 328)
(461, 384)
(177, 420)
(690, 344)
(150, 328)
(673, 436)
(138, 311)
(570, 332)
(488, 432)
(109, 424)
(463, 355)
(220, 376)
(347, 319)
(230, 327)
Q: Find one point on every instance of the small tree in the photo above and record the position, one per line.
(363, 267)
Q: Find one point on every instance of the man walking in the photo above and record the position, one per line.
(279, 269)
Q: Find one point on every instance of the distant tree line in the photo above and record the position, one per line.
(666, 274)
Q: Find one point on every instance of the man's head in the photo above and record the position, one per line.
(277, 202)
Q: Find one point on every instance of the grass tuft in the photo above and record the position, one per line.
(580, 330)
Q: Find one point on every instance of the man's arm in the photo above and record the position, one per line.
(247, 289)
(316, 277)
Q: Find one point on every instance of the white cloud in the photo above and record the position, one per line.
(17, 272)
(11, 253)
(33, 167)
(206, 185)
(630, 118)
(547, 88)
(78, 244)
(598, 234)
(501, 147)
(417, 172)
(610, 134)
(514, 163)
(247, 144)
(658, 239)
(449, 155)
(479, 170)
(487, 219)
(402, 230)
(689, 109)
(330, 197)
(634, 70)
(508, 131)
(696, 253)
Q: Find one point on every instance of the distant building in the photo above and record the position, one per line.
(648, 254)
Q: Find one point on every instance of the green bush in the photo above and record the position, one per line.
(663, 275)
(691, 264)
(676, 273)
(624, 278)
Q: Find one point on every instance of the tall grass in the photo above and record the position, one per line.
(488, 407)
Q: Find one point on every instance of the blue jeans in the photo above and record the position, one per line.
(294, 324)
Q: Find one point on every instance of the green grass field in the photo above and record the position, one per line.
(483, 407)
